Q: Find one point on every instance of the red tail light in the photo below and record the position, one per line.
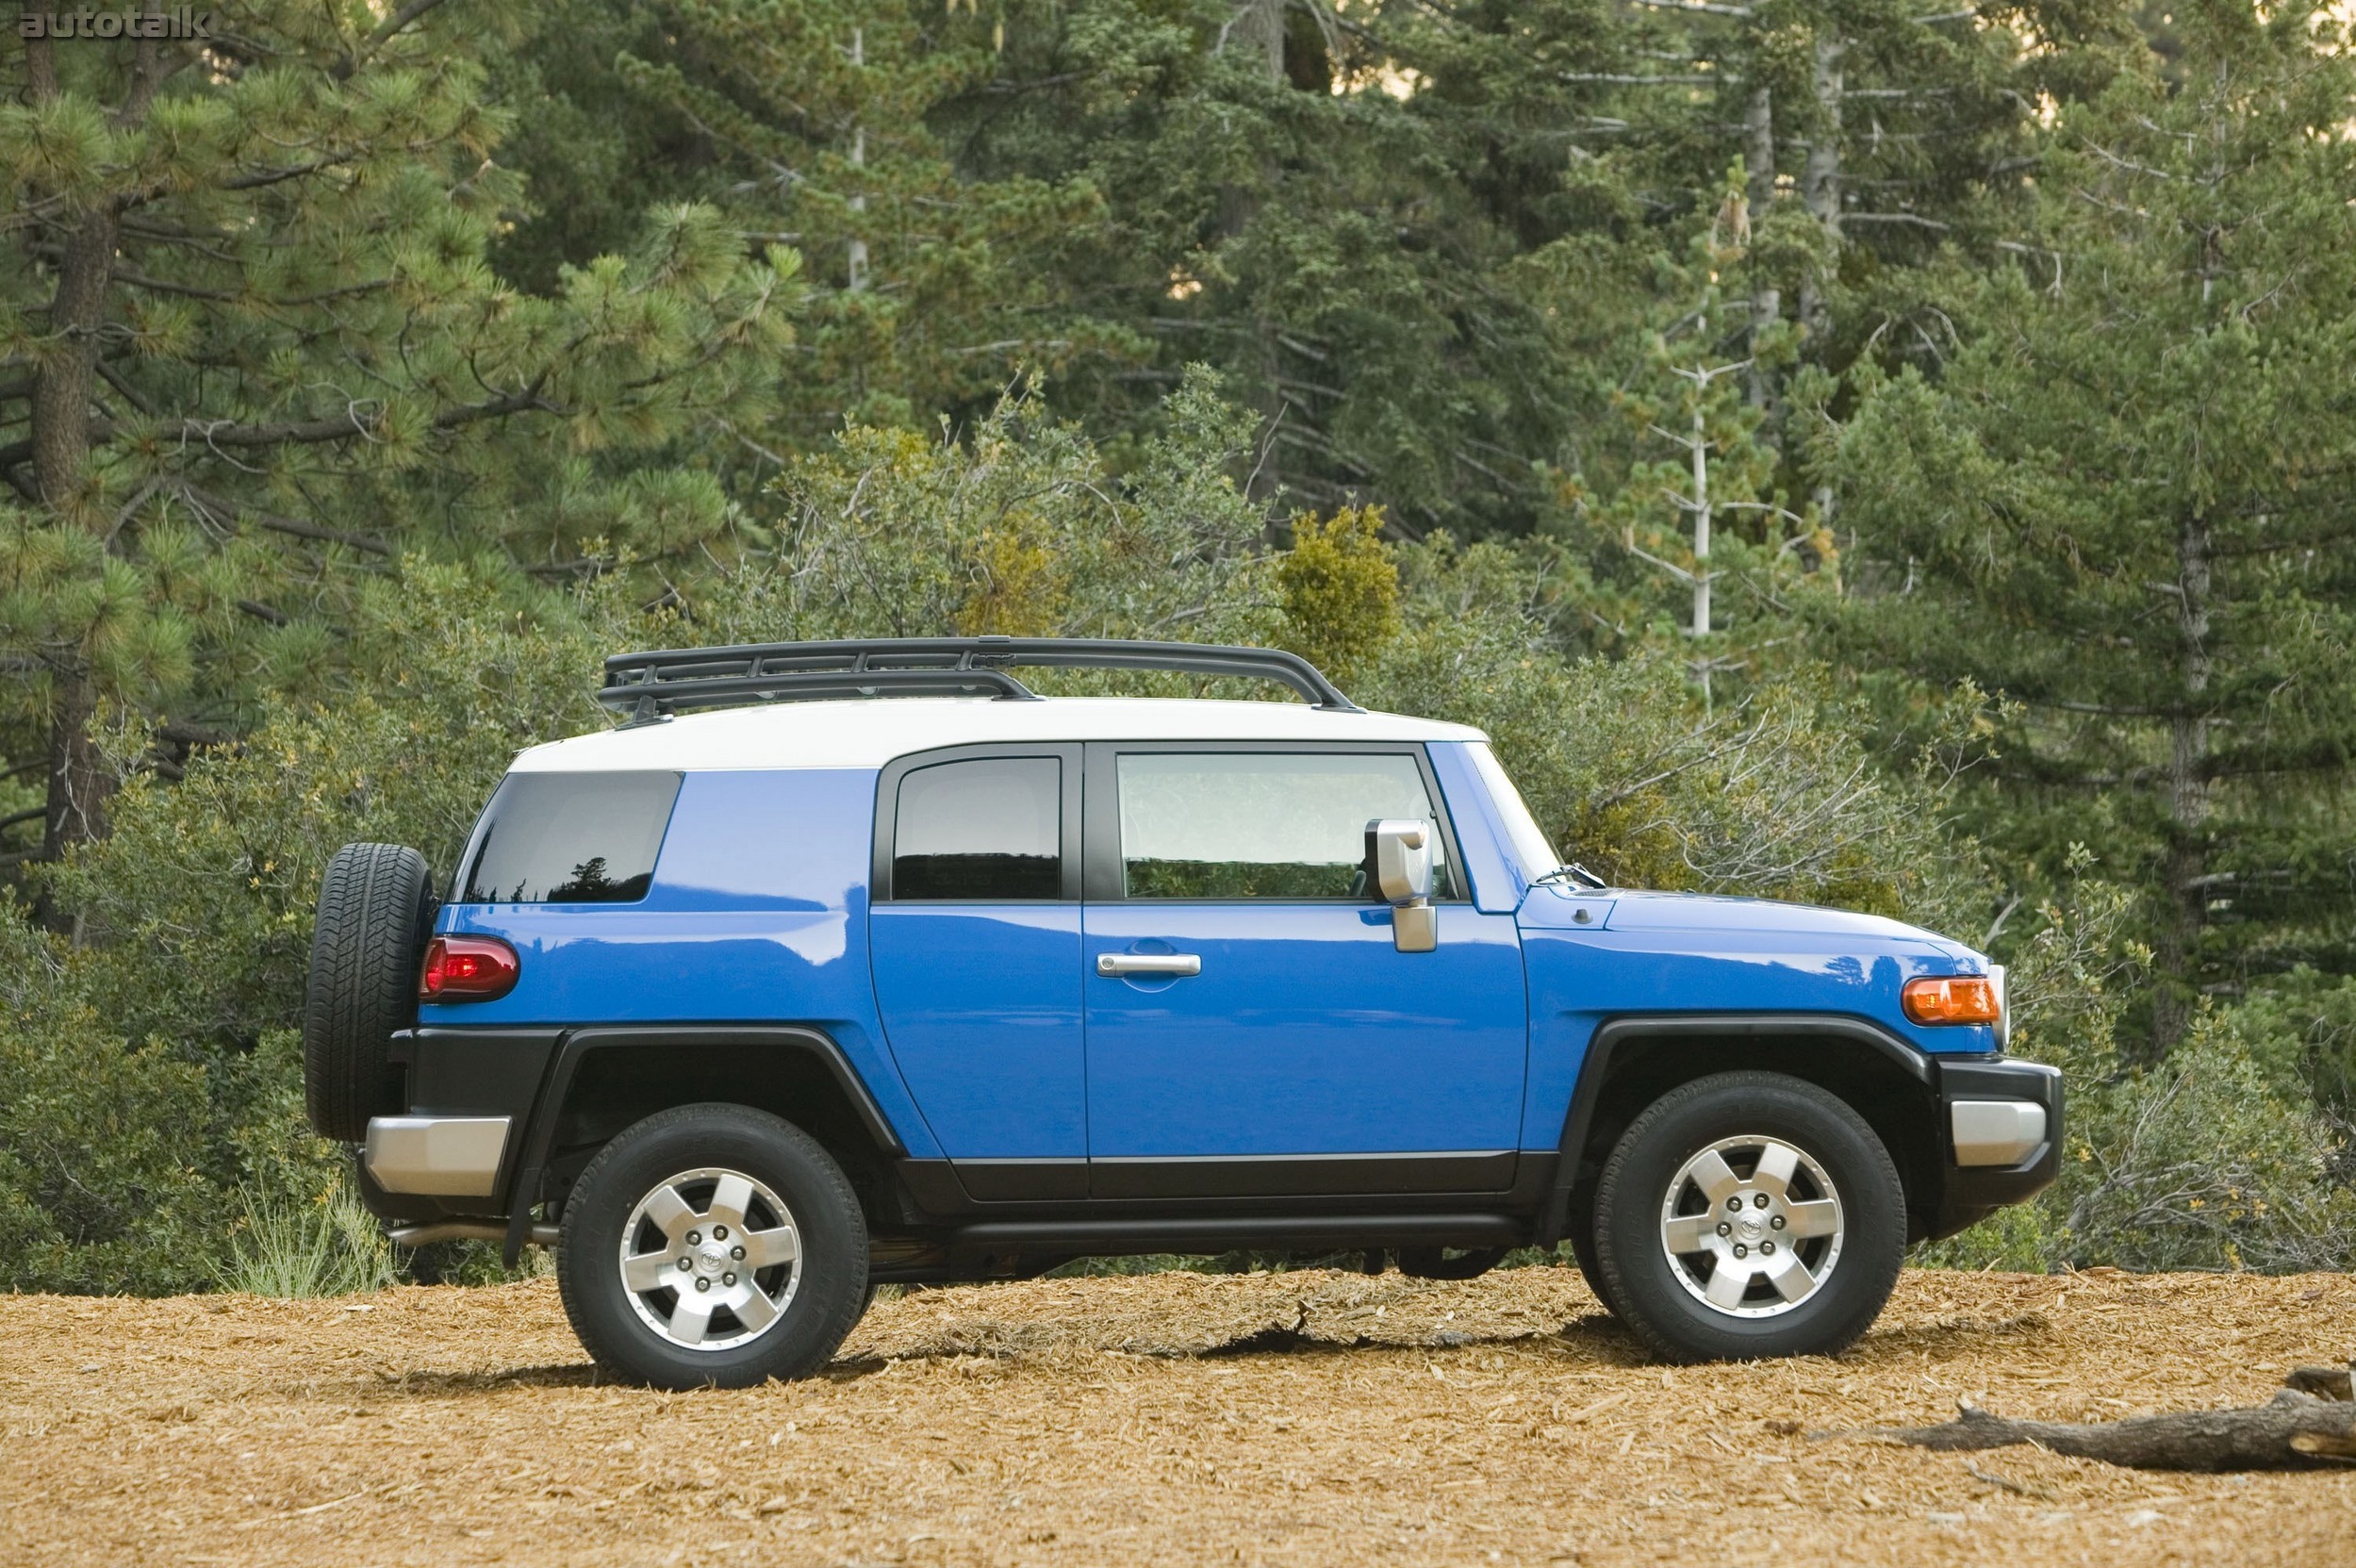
(1962, 999)
(467, 968)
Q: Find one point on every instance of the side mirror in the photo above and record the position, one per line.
(1399, 851)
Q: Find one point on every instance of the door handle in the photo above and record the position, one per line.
(1148, 964)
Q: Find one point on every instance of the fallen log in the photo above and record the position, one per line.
(2311, 1423)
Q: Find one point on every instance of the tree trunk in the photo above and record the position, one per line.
(79, 784)
(1766, 300)
(2188, 792)
(1259, 29)
(1819, 185)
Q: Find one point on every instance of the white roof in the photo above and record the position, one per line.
(869, 732)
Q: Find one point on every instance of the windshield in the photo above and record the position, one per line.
(1528, 839)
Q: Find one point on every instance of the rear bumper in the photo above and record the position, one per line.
(1999, 1129)
(436, 1156)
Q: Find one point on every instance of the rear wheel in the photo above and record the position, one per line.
(713, 1244)
(1749, 1215)
(375, 905)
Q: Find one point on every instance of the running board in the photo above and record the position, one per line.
(1106, 1237)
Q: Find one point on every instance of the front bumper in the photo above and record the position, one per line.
(2000, 1128)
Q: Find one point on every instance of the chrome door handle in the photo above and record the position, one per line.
(1148, 964)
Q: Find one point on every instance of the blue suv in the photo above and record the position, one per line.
(894, 971)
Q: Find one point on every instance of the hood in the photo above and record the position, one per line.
(1621, 910)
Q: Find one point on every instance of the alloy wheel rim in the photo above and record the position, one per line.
(1751, 1227)
(710, 1259)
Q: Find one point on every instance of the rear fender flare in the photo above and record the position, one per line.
(576, 1046)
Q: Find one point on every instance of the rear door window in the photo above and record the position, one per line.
(980, 830)
(569, 839)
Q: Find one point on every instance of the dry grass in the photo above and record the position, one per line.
(1166, 1419)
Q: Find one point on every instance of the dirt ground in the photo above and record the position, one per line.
(1289, 1418)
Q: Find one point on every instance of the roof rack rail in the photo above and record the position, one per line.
(650, 686)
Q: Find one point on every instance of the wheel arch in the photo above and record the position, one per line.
(606, 1078)
(1632, 1060)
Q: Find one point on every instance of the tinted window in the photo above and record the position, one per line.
(984, 829)
(569, 839)
(1261, 826)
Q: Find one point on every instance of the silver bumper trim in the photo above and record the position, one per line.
(436, 1156)
(1995, 1132)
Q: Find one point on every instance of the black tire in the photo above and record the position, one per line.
(1650, 1291)
(375, 907)
(1582, 1240)
(829, 1293)
(1448, 1262)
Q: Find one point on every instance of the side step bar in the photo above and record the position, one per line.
(1217, 1232)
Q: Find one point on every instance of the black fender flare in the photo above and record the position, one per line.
(575, 1046)
(1619, 1034)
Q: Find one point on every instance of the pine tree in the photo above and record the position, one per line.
(2126, 501)
(252, 345)
(933, 289)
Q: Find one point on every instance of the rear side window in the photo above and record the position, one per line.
(988, 829)
(569, 839)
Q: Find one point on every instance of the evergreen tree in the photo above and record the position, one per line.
(2125, 503)
(254, 346)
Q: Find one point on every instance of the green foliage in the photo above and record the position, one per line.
(2117, 503)
(306, 1242)
(1340, 590)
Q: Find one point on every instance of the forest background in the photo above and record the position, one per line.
(1885, 452)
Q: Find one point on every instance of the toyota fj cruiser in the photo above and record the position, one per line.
(895, 971)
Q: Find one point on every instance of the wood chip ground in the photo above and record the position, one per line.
(1179, 1419)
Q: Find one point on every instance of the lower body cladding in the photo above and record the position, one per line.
(477, 1155)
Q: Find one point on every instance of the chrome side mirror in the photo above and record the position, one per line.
(1399, 849)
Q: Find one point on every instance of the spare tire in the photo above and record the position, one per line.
(375, 908)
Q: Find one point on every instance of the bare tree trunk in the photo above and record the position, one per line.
(855, 265)
(2188, 788)
(1259, 29)
(1819, 189)
(1766, 300)
(1819, 180)
(79, 784)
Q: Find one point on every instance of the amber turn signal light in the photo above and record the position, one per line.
(1957, 999)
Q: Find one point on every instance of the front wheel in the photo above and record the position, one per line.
(1749, 1215)
(712, 1244)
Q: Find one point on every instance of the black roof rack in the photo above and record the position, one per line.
(650, 686)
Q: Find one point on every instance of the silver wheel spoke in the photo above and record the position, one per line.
(1790, 1276)
(730, 1199)
(756, 1311)
(1690, 1233)
(670, 1211)
(1820, 1217)
(1727, 1283)
(764, 1248)
(691, 1317)
(1716, 1178)
(650, 1270)
(712, 1260)
(1753, 1227)
(1776, 1164)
